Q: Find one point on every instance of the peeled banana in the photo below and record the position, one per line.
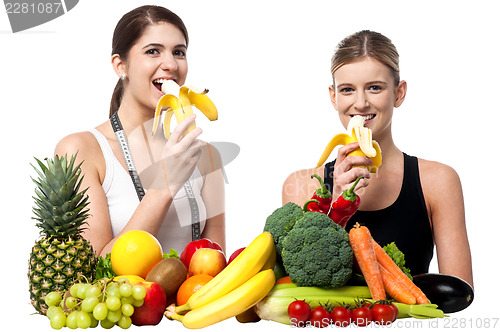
(179, 100)
(233, 303)
(248, 263)
(356, 132)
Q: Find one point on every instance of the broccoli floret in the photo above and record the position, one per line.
(281, 222)
(317, 252)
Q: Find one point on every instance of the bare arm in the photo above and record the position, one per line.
(213, 195)
(443, 194)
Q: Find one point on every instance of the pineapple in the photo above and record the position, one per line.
(62, 255)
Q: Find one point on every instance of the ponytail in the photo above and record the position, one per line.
(116, 98)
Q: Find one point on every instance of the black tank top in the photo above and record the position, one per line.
(405, 222)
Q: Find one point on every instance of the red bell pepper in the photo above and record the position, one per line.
(192, 246)
(345, 206)
(321, 199)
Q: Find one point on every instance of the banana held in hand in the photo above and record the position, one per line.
(358, 133)
(229, 305)
(179, 101)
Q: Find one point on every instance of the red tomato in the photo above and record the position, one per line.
(341, 317)
(396, 311)
(192, 246)
(382, 314)
(361, 316)
(299, 312)
(320, 317)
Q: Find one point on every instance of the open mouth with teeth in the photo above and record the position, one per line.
(367, 117)
(158, 83)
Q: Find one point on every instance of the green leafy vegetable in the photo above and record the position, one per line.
(398, 257)
(172, 254)
(103, 268)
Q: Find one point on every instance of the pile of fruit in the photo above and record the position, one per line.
(280, 276)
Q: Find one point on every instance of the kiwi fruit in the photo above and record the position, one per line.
(170, 273)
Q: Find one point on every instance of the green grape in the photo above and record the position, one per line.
(127, 309)
(70, 302)
(73, 290)
(82, 290)
(114, 315)
(125, 290)
(52, 310)
(113, 303)
(53, 299)
(107, 324)
(100, 311)
(138, 292)
(114, 291)
(138, 303)
(93, 322)
(58, 320)
(71, 320)
(122, 280)
(89, 303)
(124, 322)
(83, 320)
(93, 290)
(128, 299)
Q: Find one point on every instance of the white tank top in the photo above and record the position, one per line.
(175, 231)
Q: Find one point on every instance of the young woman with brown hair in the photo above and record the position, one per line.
(149, 45)
(414, 202)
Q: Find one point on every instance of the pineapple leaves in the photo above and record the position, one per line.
(60, 205)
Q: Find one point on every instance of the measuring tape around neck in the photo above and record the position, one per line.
(122, 140)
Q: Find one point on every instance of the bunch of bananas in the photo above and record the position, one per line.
(179, 101)
(356, 132)
(237, 288)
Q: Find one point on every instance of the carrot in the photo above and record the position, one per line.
(395, 288)
(361, 243)
(284, 280)
(402, 278)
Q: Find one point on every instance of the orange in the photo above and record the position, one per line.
(190, 286)
(135, 252)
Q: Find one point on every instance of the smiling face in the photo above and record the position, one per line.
(159, 54)
(366, 87)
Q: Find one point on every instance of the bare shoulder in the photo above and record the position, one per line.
(440, 182)
(299, 185)
(435, 173)
(86, 148)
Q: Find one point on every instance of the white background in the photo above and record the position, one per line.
(266, 64)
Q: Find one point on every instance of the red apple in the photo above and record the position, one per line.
(207, 261)
(234, 255)
(155, 302)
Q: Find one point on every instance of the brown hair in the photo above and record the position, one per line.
(129, 29)
(367, 43)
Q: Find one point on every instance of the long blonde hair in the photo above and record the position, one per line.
(367, 43)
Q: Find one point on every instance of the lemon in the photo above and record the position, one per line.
(135, 252)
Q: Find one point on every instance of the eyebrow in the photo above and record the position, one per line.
(162, 46)
(367, 83)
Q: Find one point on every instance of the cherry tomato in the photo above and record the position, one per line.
(320, 317)
(299, 312)
(396, 311)
(382, 314)
(362, 316)
(341, 316)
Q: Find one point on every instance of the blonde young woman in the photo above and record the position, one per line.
(149, 43)
(416, 203)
